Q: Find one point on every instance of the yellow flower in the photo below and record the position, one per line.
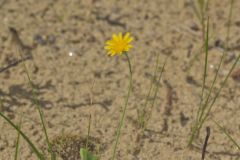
(119, 44)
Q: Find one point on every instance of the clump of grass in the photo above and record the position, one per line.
(206, 107)
(145, 112)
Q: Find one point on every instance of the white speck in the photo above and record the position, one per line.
(211, 66)
(70, 54)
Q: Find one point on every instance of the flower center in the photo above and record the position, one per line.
(120, 46)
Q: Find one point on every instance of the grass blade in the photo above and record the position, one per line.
(34, 149)
(227, 134)
(20, 50)
(18, 141)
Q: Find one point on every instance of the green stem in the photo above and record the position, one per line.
(155, 93)
(35, 150)
(37, 103)
(124, 109)
(229, 24)
(18, 141)
(201, 108)
(227, 134)
(142, 119)
(205, 71)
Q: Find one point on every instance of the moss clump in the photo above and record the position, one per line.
(68, 146)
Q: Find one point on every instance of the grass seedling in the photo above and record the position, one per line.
(142, 111)
(145, 113)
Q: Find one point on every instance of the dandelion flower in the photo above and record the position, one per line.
(119, 44)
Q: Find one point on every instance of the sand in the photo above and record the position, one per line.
(90, 82)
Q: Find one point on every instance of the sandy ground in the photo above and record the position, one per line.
(67, 84)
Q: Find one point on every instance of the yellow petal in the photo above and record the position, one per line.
(120, 36)
(126, 36)
(109, 42)
(115, 37)
(130, 39)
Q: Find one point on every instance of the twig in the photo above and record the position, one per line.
(205, 143)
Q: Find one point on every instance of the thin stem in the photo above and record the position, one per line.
(18, 141)
(201, 108)
(156, 91)
(37, 103)
(227, 134)
(219, 91)
(205, 70)
(143, 111)
(89, 127)
(124, 109)
(229, 23)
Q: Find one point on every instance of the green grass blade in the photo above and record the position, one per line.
(156, 90)
(227, 134)
(229, 23)
(205, 70)
(224, 54)
(89, 127)
(212, 86)
(195, 10)
(142, 113)
(220, 89)
(37, 103)
(201, 108)
(18, 141)
(34, 149)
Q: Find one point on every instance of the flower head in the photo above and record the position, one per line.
(119, 44)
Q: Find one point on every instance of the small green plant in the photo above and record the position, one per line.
(144, 113)
(86, 155)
